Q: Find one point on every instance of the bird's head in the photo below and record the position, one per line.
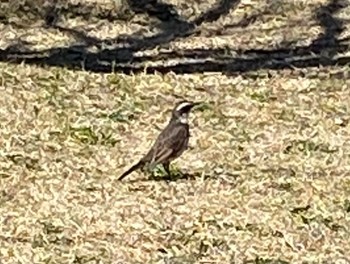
(181, 111)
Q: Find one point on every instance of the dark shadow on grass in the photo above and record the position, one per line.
(178, 176)
(321, 52)
(223, 7)
(332, 26)
(326, 50)
(166, 13)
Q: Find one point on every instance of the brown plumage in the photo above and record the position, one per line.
(171, 142)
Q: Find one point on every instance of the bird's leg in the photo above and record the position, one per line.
(167, 168)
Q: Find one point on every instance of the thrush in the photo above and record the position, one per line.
(170, 143)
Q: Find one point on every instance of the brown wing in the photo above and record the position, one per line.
(169, 145)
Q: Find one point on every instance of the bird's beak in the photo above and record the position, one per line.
(196, 105)
(200, 106)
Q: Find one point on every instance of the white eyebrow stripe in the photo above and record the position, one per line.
(182, 105)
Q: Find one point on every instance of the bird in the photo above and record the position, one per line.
(170, 143)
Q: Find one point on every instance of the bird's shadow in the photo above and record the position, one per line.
(173, 177)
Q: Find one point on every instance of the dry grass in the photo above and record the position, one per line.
(270, 154)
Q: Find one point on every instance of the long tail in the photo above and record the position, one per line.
(133, 168)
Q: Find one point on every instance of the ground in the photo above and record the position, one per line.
(87, 86)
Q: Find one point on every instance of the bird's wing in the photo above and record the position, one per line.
(168, 144)
(162, 154)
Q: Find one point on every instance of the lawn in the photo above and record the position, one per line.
(87, 86)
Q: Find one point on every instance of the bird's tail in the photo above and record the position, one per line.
(133, 168)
